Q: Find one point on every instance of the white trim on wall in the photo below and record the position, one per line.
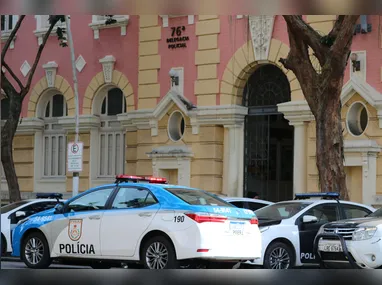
(98, 23)
(7, 32)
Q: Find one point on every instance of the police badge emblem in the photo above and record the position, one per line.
(75, 229)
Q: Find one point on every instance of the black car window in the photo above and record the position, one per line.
(255, 206)
(355, 212)
(238, 204)
(130, 197)
(43, 206)
(93, 201)
(325, 213)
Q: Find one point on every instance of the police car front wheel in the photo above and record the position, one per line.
(159, 253)
(35, 251)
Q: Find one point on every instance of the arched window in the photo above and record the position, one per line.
(54, 139)
(112, 136)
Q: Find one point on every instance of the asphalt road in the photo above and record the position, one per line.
(21, 265)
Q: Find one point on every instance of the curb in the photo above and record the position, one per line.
(11, 259)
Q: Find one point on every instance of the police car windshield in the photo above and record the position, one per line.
(198, 197)
(10, 207)
(281, 211)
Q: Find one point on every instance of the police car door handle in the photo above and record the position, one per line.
(147, 214)
(94, 217)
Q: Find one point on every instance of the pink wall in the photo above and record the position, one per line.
(123, 48)
(371, 43)
(180, 57)
(234, 33)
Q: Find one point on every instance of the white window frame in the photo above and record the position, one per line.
(42, 28)
(98, 23)
(165, 19)
(7, 32)
(110, 125)
(51, 134)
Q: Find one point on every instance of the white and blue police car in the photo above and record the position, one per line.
(289, 228)
(139, 220)
(12, 213)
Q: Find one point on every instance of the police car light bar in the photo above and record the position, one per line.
(137, 179)
(327, 195)
(56, 196)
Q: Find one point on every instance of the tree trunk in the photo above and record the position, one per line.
(7, 135)
(330, 149)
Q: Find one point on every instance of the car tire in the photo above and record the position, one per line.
(278, 256)
(36, 241)
(3, 245)
(161, 248)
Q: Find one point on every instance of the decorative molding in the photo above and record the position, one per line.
(165, 19)
(86, 122)
(50, 72)
(41, 30)
(136, 120)
(299, 111)
(108, 67)
(80, 63)
(5, 37)
(362, 58)
(25, 68)
(97, 25)
(225, 115)
(367, 147)
(296, 112)
(180, 88)
(261, 28)
(172, 157)
(29, 126)
(170, 152)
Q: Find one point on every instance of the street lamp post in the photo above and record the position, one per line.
(76, 175)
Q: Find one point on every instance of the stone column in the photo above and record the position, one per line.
(299, 163)
(233, 160)
(369, 179)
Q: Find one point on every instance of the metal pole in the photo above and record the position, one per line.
(76, 175)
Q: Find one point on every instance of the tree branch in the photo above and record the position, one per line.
(298, 60)
(308, 35)
(38, 55)
(344, 35)
(11, 37)
(6, 85)
(337, 27)
(14, 76)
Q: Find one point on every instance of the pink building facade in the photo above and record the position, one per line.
(233, 120)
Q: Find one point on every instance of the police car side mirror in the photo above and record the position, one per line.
(20, 214)
(59, 208)
(309, 219)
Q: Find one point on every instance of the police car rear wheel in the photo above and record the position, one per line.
(278, 256)
(35, 251)
(159, 253)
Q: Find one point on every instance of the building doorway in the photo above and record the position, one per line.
(269, 139)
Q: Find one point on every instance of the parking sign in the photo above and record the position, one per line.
(75, 151)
